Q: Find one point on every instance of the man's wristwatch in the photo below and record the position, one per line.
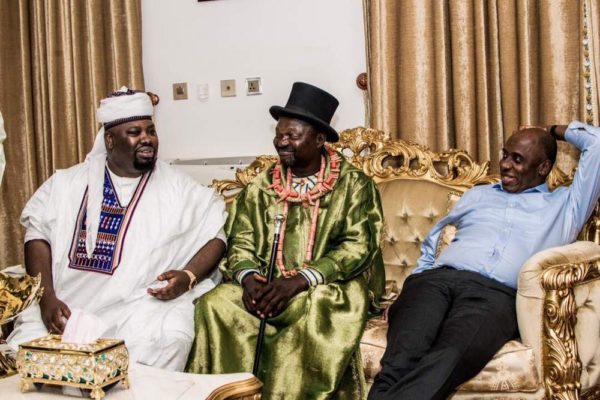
(192, 278)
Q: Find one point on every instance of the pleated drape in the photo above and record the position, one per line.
(57, 59)
(466, 73)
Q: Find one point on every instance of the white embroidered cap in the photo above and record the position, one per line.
(123, 106)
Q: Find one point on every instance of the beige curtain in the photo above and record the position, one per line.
(465, 73)
(57, 59)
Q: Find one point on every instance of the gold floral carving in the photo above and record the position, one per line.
(358, 144)
(248, 389)
(228, 188)
(383, 159)
(16, 294)
(591, 230)
(558, 178)
(562, 367)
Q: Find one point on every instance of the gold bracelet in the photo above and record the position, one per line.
(192, 278)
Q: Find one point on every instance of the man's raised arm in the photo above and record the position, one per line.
(585, 189)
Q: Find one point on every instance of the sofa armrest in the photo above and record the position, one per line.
(547, 311)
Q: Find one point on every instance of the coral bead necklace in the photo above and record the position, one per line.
(312, 197)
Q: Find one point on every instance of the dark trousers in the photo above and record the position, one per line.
(443, 329)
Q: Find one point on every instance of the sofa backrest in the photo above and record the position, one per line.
(417, 186)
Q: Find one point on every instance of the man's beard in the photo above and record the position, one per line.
(144, 166)
(289, 162)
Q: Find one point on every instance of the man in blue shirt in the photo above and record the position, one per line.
(455, 312)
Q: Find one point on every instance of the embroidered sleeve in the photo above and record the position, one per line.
(240, 275)
(312, 276)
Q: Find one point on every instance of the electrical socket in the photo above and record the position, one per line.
(253, 86)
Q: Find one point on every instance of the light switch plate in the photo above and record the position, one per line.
(228, 88)
(253, 86)
(180, 91)
(202, 91)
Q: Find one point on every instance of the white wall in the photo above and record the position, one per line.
(317, 41)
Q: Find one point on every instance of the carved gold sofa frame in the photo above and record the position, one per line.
(558, 300)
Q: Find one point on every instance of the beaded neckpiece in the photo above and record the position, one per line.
(322, 187)
(312, 197)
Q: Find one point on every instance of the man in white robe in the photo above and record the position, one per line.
(107, 233)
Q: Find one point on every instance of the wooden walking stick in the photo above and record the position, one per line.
(263, 322)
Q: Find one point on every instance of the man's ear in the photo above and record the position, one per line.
(109, 140)
(544, 168)
(321, 138)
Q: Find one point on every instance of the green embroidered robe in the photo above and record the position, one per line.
(311, 349)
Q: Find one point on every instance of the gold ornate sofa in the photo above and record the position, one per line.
(558, 300)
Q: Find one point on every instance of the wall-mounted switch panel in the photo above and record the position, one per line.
(180, 91)
(228, 88)
(202, 91)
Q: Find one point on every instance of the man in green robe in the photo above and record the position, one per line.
(329, 271)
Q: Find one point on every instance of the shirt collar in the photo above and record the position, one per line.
(542, 188)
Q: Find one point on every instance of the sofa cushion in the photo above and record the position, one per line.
(411, 208)
(511, 370)
(372, 346)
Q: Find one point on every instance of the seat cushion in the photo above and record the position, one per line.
(511, 370)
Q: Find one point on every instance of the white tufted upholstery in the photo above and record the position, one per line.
(411, 208)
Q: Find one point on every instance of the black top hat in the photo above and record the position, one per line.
(310, 104)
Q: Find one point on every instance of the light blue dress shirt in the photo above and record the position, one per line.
(498, 231)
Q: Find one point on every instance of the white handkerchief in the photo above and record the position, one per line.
(83, 328)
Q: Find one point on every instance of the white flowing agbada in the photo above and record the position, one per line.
(173, 219)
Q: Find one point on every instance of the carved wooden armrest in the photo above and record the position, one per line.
(550, 278)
